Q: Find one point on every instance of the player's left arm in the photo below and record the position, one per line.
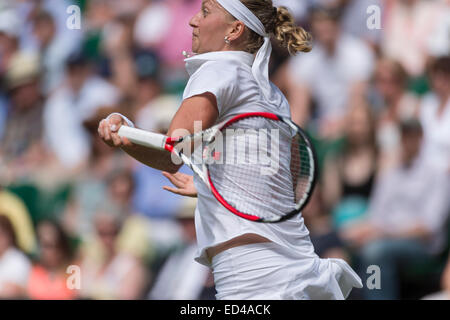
(201, 109)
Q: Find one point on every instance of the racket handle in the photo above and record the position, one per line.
(143, 138)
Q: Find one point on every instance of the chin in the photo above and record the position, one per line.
(194, 46)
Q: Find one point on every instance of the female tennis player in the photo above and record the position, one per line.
(229, 76)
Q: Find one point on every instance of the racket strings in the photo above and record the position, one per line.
(261, 173)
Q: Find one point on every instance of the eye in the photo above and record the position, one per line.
(205, 12)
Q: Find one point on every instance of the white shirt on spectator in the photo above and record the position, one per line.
(53, 62)
(436, 144)
(330, 77)
(63, 116)
(439, 41)
(181, 278)
(408, 30)
(14, 268)
(405, 197)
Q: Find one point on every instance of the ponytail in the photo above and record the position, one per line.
(280, 23)
(293, 38)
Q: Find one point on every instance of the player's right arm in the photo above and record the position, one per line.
(158, 159)
(198, 108)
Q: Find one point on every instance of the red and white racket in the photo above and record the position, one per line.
(259, 166)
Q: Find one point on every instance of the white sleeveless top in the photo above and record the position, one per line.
(228, 75)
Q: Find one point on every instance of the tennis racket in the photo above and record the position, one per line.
(259, 166)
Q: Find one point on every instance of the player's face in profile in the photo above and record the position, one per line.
(209, 28)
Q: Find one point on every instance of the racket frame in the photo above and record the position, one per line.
(160, 141)
(312, 176)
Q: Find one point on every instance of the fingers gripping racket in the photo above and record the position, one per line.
(260, 166)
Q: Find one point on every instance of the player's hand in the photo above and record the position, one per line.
(184, 184)
(108, 128)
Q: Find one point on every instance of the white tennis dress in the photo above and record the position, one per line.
(286, 268)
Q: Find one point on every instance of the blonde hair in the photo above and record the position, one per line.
(279, 22)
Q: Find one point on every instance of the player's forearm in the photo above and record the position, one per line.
(157, 159)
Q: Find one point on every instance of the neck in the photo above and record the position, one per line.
(443, 97)
(3, 250)
(330, 49)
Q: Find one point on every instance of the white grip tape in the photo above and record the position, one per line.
(143, 138)
(128, 121)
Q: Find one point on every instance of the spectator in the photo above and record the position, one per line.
(48, 277)
(9, 37)
(119, 50)
(3, 113)
(90, 188)
(29, 10)
(349, 173)
(149, 84)
(326, 241)
(329, 75)
(439, 42)
(9, 46)
(54, 50)
(435, 116)
(153, 107)
(395, 104)
(181, 278)
(150, 199)
(159, 36)
(128, 7)
(406, 219)
(120, 188)
(133, 69)
(407, 28)
(21, 147)
(14, 265)
(355, 20)
(107, 272)
(108, 179)
(12, 207)
(82, 94)
(98, 14)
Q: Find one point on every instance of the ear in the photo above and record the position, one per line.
(237, 29)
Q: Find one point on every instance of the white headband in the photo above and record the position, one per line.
(260, 68)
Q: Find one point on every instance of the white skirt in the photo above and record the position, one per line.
(269, 271)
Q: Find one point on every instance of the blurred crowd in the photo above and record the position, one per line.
(375, 98)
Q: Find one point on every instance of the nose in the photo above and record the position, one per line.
(194, 20)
